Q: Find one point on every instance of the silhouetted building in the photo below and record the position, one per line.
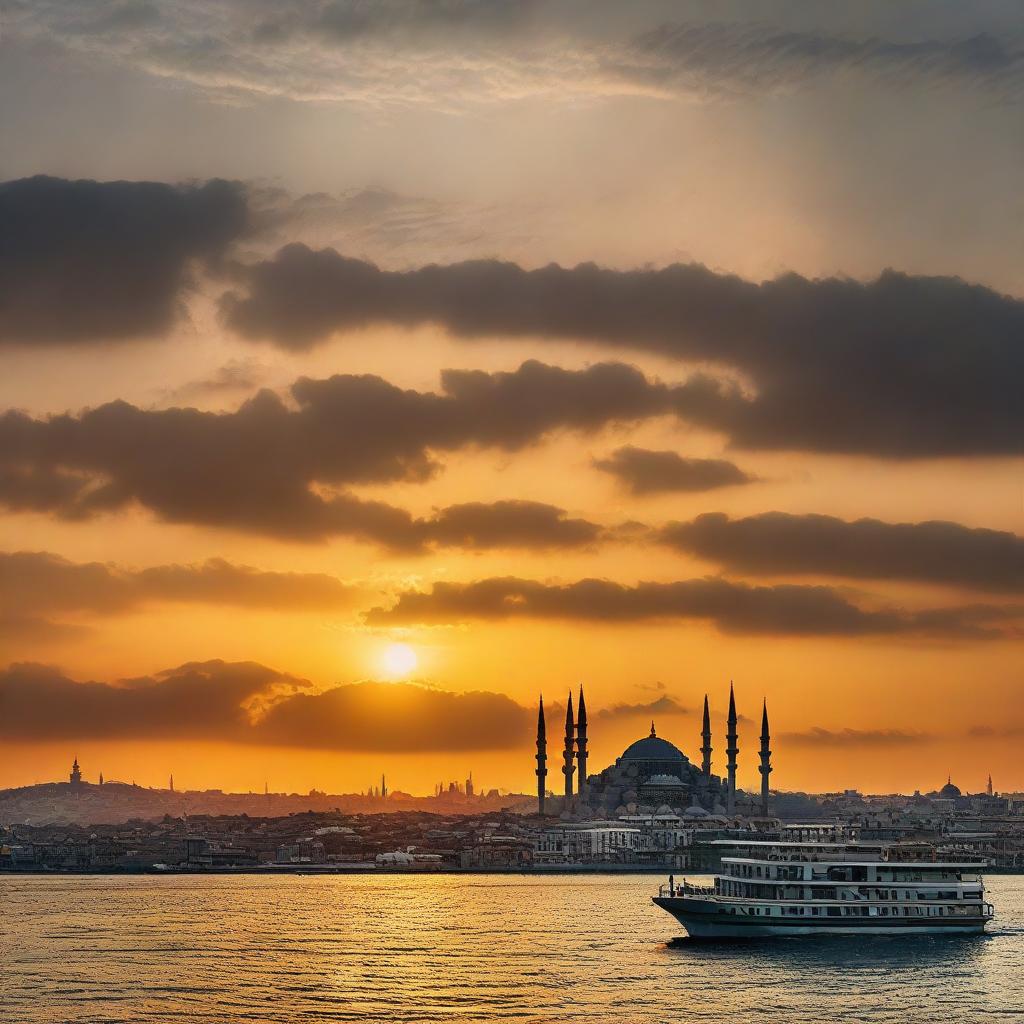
(581, 748)
(765, 767)
(705, 734)
(76, 775)
(569, 752)
(731, 750)
(542, 756)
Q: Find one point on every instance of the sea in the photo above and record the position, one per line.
(452, 948)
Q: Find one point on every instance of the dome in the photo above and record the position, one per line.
(949, 791)
(653, 748)
(696, 811)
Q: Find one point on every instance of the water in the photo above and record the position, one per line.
(461, 948)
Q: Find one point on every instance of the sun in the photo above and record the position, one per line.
(399, 660)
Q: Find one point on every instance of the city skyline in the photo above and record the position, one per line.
(371, 369)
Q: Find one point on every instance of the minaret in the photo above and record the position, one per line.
(172, 784)
(101, 778)
(581, 747)
(988, 789)
(542, 756)
(568, 753)
(706, 736)
(383, 787)
(76, 774)
(731, 750)
(766, 756)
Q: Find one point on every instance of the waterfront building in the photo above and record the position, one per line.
(650, 773)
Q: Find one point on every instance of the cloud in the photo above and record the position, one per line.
(736, 608)
(898, 366)
(459, 54)
(651, 472)
(236, 375)
(42, 584)
(87, 261)
(397, 717)
(198, 701)
(841, 738)
(723, 59)
(777, 543)
(664, 705)
(249, 703)
(520, 524)
(280, 469)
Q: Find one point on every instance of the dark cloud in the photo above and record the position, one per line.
(84, 261)
(249, 703)
(841, 738)
(649, 472)
(732, 607)
(198, 701)
(745, 59)
(776, 543)
(509, 524)
(397, 717)
(664, 705)
(898, 366)
(39, 583)
(280, 469)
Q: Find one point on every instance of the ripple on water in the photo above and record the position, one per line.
(442, 948)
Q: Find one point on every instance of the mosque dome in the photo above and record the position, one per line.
(949, 791)
(653, 748)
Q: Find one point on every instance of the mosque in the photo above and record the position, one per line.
(651, 772)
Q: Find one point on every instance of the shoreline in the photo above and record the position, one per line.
(320, 869)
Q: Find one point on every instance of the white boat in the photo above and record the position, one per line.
(834, 892)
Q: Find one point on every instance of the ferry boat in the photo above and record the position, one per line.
(838, 892)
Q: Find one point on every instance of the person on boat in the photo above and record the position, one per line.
(671, 885)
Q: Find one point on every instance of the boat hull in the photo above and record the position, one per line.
(705, 920)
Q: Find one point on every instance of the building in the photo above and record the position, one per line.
(651, 772)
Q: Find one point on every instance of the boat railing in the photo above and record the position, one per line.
(685, 888)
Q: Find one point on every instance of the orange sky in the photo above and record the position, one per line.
(890, 654)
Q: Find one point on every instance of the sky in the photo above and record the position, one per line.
(371, 368)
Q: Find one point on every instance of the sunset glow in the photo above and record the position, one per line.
(416, 363)
(399, 660)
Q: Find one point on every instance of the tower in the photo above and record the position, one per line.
(172, 784)
(766, 755)
(731, 750)
(581, 747)
(383, 788)
(75, 777)
(988, 789)
(469, 785)
(568, 754)
(706, 736)
(542, 756)
(101, 778)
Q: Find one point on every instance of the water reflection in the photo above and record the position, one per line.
(481, 948)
